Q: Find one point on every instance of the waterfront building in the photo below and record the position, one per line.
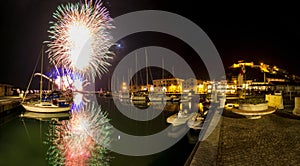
(261, 78)
(202, 87)
(168, 85)
(216, 86)
(6, 90)
(189, 85)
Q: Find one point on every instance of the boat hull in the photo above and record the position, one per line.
(196, 122)
(139, 98)
(175, 120)
(46, 109)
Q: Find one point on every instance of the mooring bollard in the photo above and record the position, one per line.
(296, 110)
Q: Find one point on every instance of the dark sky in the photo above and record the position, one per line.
(253, 32)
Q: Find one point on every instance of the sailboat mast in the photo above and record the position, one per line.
(146, 69)
(42, 65)
(136, 75)
(163, 66)
(128, 80)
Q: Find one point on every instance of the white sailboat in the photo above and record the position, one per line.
(54, 105)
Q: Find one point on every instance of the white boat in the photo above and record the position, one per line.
(196, 122)
(45, 107)
(180, 118)
(52, 104)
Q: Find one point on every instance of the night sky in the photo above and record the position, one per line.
(251, 32)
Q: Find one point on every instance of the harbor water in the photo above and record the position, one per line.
(24, 140)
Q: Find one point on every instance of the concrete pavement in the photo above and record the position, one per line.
(272, 140)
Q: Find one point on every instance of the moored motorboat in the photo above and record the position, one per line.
(196, 122)
(180, 118)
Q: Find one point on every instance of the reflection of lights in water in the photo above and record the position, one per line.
(200, 106)
(79, 101)
(81, 140)
(78, 84)
(77, 98)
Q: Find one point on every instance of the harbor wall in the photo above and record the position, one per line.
(8, 105)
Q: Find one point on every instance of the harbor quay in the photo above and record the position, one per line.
(273, 139)
(7, 103)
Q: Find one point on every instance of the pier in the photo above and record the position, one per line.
(8, 103)
(236, 140)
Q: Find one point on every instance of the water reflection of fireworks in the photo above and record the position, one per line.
(81, 140)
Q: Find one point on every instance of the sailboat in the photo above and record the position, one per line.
(124, 94)
(141, 96)
(56, 102)
(158, 96)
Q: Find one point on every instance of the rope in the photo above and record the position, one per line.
(38, 59)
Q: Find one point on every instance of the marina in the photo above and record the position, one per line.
(31, 128)
(102, 82)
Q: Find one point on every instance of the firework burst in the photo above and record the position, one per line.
(65, 79)
(80, 38)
